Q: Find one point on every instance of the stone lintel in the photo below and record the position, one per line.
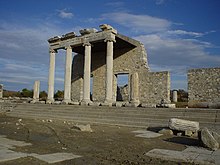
(77, 41)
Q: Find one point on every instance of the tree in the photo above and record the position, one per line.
(26, 93)
(43, 95)
(59, 94)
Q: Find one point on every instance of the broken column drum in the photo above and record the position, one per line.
(36, 91)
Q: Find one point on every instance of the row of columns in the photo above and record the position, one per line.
(87, 73)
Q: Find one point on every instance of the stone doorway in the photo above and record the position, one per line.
(122, 90)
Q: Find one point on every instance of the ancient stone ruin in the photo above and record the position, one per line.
(204, 87)
(1, 91)
(103, 55)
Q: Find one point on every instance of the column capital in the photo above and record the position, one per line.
(110, 39)
(68, 47)
(52, 51)
(86, 44)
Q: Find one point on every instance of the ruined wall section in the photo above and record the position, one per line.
(77, 77)
(204, 85)
(154, 87)
(127, 60)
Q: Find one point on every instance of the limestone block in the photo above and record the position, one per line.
(105, 27)
(83, 128)
(208, 140)
(106, 104)
(57, 102)
(168, 105)
(87, 31)
(74, 103)
(146, 105)
(119, 104)
(166, 131)
(183, 125)
(94, 104)
(188, 133)
(216, 136)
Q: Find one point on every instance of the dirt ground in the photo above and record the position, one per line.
(105, 145)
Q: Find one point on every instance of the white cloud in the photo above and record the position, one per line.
(64, 14)
(177, 54)
(183, 32)
(138, 23)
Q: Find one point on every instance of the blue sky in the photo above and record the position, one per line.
(178, 35)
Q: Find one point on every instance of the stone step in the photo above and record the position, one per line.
(92, 115)
(95, 114)
(93, 121)
(94, 110)
(127, 110)
(129, 116)
(103, 108)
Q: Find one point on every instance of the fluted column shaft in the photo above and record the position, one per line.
(36, 91)
(68, 71)
(109, 70)
(50, 97)
(87, 72)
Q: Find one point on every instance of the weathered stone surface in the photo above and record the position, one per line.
(128, 56)
(146, 105)
(203, 87)
(83, 128)
(36, 91)
(208, 140)
(154, 87)
(216, 136)
(188, 133)
(88, 31)
(183, 125)
(174, 96)
(1, 91)
(166, 131)
(167, 105)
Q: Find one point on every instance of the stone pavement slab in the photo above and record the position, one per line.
(146, 134)
(55, 157)
(6, 154)
(195, 155)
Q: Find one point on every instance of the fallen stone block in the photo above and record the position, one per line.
(166, 131)
(183, 125)
(216, 136)
(83, 128)
(146, 105)
(188, 133)
(208, 140)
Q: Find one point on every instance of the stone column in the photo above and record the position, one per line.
(135, 89)
(68, 72)
(87, 72)
(174, 96)
(36, 91)
(109, 70)
(1, 91)
(50, 97)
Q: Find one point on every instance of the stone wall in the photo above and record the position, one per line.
(128, 60)
(204, 85)
(154, 87)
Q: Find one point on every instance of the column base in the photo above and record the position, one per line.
(107, 103)
(50, 101)
(66, 101)
(85, 102)
(34, 101)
